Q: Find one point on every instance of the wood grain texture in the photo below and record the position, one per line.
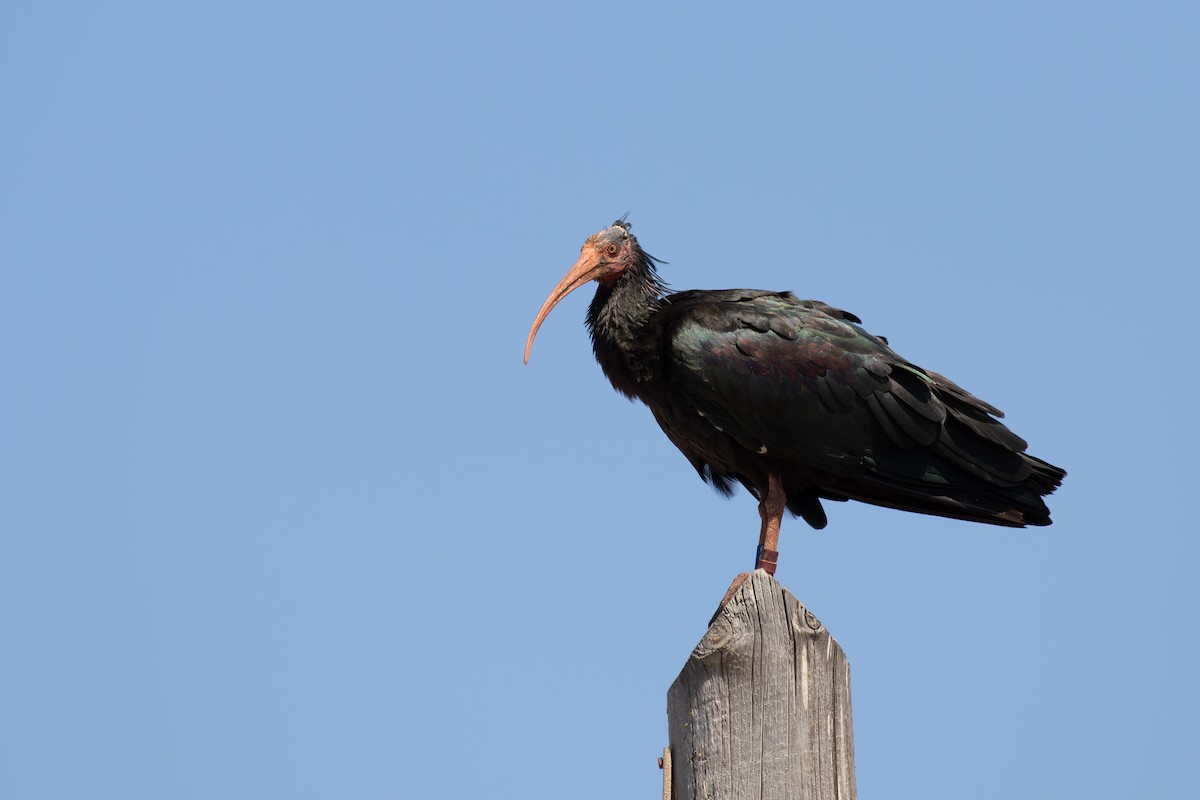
(762, 707)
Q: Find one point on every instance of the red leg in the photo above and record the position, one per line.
(771, 509)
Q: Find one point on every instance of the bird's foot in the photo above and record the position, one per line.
(766, 560)
(729, 593)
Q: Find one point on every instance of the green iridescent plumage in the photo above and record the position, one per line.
(753, 384)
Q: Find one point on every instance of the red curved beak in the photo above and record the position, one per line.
(587, 268)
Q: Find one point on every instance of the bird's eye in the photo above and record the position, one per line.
(612, 248)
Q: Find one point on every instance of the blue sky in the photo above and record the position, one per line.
(284, 515)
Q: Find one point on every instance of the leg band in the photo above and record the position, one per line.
(767, 559)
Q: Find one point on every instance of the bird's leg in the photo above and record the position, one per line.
(770, 508)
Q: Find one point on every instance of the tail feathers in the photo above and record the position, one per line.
(956, 494)
(1045, 477)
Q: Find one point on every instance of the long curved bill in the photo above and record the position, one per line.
(587, 268)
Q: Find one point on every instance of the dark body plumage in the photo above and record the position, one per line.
(753, 383)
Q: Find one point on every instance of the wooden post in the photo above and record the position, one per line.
(762, 707)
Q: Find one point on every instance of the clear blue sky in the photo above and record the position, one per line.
(283, 515)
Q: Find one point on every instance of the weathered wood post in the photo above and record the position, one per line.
(762, 707)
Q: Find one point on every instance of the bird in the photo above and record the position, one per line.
(795, 401)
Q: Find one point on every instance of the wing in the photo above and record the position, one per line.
(802, 382)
